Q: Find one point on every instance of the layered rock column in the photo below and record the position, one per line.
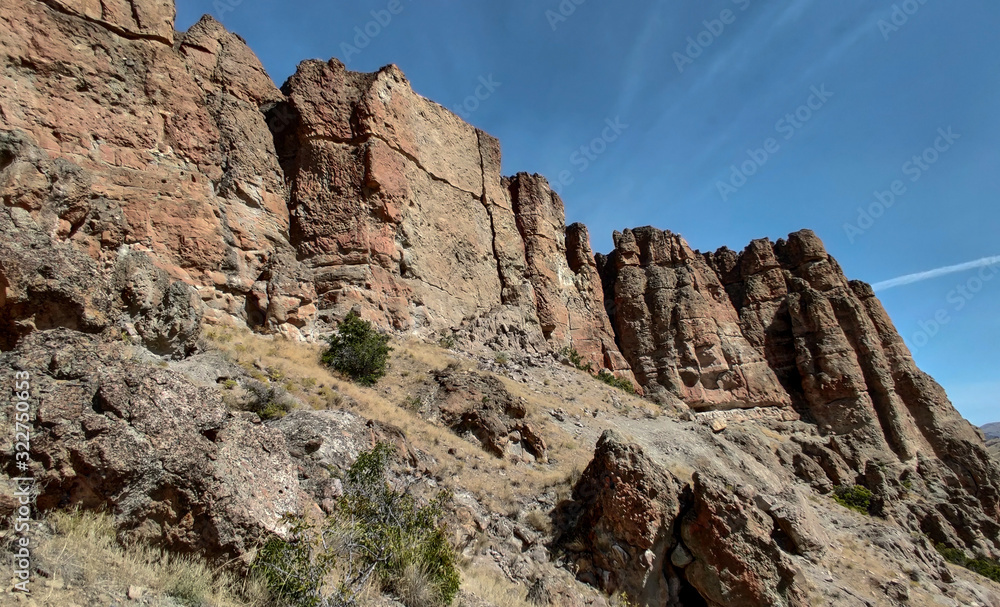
(563, 273)
(678, 329)
(399, 208)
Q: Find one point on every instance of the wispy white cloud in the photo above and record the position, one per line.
(636, 69)
(937, 273)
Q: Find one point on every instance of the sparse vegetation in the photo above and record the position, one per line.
(856, 498)
(377, 534)
(539, 521)
(267, 401)
(983, 566)
(82, 556)
(615, 382)
(501, 358)
(604, 375)
(576, 359)
(413, 403)
(447, 342)
(358, 350)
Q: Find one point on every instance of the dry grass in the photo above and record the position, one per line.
(462, 465)
(86, 565)
(415, 588)
(539, 521)
(490, 585)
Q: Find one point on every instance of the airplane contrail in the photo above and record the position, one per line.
(929, 274)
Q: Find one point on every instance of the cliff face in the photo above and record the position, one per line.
(779, 329)
(154, 182)
(172, 159)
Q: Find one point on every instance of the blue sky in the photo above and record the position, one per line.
(739, 119)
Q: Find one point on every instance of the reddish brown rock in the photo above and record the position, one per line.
(799, 336)
(479, 406)
(735, 559)
(155, 149)
(562, 270)
(678, 329)
(388, 200)
(621, 520)
(169, 460)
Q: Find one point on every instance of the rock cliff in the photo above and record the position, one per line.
(157, 182)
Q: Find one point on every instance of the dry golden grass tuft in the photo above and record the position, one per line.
(488, 584)
(86, 565)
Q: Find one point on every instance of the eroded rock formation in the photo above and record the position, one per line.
(154, 181)
(277, 209)
(779, 325)
(168, 459)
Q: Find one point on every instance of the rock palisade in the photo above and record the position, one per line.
(156, 181)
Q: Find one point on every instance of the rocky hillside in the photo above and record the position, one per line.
(991, 430)
(161, 195)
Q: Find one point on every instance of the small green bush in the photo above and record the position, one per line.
(954, 556)
(856, 498)
(615, 382)
(576, 359)
(983, 566)
(447, 342)
(358, 350)
(375, 532)
(266, 401)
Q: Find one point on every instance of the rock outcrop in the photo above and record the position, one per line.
(480, 407)
(127, 145)
(991, 430)
(779, 326)
(155, 181)
(169, 460)
(120, 141)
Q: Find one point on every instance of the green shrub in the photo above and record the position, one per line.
(983, 566)
(358, 350)
(266, 401)
(447, 342)
(954, 556)
(856, 498)
(376, 533)
(576, 359)
(616, 382)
